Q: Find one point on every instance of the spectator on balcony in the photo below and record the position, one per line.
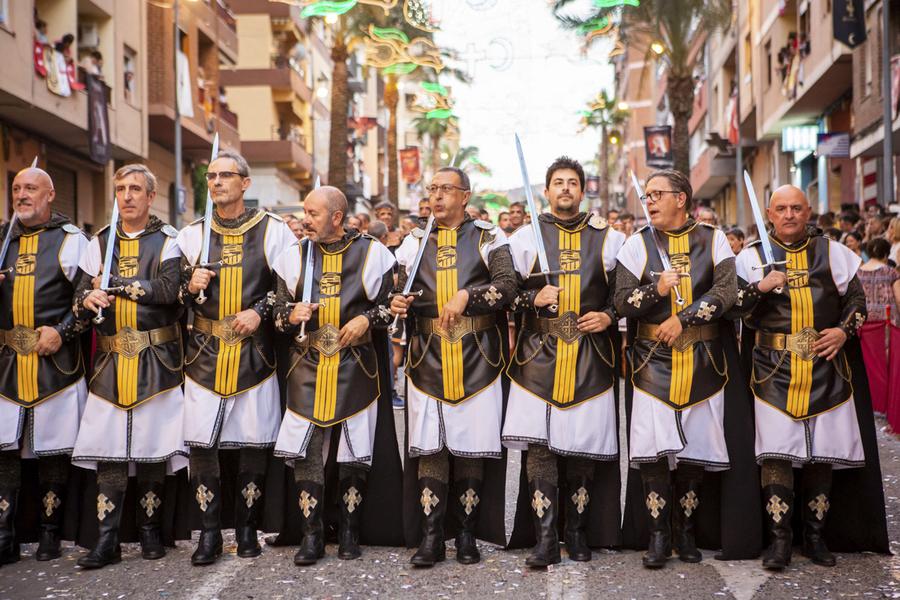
(40, 32)
(92, 63)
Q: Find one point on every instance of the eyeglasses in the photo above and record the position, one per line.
(656, 195)
(223, 175)
(444, 189)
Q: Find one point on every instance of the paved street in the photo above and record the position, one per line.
(386, 573)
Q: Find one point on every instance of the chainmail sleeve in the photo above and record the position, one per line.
(853, 307)
(631, 299)
(162, 289)
(715, 302)
(379, 315)
(501, 291)
(281, 309)
(83, 288)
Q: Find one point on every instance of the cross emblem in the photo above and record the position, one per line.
(150, 502)
(4, 505)
(706, 311)
(820, 506)
(636, 297)
(251, 494)
(655, 503)
(776, 508)
(135, 290)
(104, 507)
(860, 320)
(580, 499)
(569, 326)
(428, 501)
(540, 503)
(689, 502)
(307, 503)
(352, 498)
(469, 500)
(492, 296)
(204, 497)
(51, 502)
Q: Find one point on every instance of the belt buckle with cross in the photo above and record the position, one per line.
(801, 343)
(22, 339)
(566, 327)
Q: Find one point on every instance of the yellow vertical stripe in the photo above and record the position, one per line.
(800, 385)
(23, 314)
(682, 362)
(325, 404)
(569, 301)
(126, 316)
(447, 286)
(230, 292)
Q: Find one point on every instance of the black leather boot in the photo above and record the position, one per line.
(433, 498)
(310, 501)
(352, 492)
(149, 519)
(465, 498)
(544, 503)
(208, 494)
(577, 519)
(51, 521)
(687, 493)
(658, 501)
(246, 513)
(779, 504)
(9, 545)
(109, 513)
(815, 511)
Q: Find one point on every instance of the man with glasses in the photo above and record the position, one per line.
(680, 355)
(230, 389)
(562, 400)
(456, 356)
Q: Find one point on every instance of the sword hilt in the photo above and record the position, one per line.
(394, 326)
(678, 299)
(417, 293)
(772, 264)
(99, 318)
(201, 297)
(302, 336)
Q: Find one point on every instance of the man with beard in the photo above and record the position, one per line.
(562, 401)
(812, 404)
(424, 208)
(134, 413)
(454, 365)
(230, 390)
(333, 383)
(516, 215)
(680, 353)
(504, 223)
(42, 388)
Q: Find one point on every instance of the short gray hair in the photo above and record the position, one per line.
(240, 161)
(149, 177)
(377, 230)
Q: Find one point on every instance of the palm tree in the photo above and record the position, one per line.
(434, 130)
(669, 26)
(467, 159)
(604, 113)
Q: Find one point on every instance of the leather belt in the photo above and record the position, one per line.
(689, 336)
(130, 342)
(326, 339)
(800, 343)
(565, 326)
(20, 339)
(223, 329)
(458, 330)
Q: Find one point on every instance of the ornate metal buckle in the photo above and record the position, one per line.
(224, 330)
(687, 339)
(565, 327)
(455, 332)
(22, 339)
(326, 339)
(801, 343)
(130, 342)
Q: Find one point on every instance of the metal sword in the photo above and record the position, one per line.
(107, 258)
(8, 238)
(535, 224)
(308, 273)
(207, 220)
(663, 255)
(761, 226)
(407, 287)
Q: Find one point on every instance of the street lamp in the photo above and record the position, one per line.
(657, 48)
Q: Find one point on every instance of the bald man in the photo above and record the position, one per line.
(333, 385)
(42, 387)
(808, 412)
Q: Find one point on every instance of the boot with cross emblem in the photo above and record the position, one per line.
(109, 514)
(658, 501)
(208, 494)
(433, 498)
(817, 490)
(246, 514)
(310, 501)
(466, 497)
(352, 491)
(778, 502)
(149, 519)
(577, 519)
(51, 521)
(688, 479)
(544, 503)
(9, 545)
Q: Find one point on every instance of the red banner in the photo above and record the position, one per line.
(410, 168)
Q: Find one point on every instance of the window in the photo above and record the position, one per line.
(129, 66)
(768, 50)
(867, 64)
(5, 20)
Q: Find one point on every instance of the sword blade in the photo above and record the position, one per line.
(663, 255)
(429, 225)
(318, 182)
(758, 219)
(532, 210)
(308, 271)
(207, 213)
(110, 244)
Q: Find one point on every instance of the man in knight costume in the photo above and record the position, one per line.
(456, 329)
(812, 410)
(42, 387)
(333, 383)
(231, 392)
(562, 401)
(134, 413)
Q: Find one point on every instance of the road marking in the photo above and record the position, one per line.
(743, 577)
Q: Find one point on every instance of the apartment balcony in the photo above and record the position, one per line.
(286, 150)
(284, 76)
(711, 173)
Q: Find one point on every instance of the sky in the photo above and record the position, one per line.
(528, 77)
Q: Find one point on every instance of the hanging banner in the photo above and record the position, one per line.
(835, 144)
(410, 167)
(849, 22)
(658, 146)
(184, 96)
(592, 186)
(98, 121)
